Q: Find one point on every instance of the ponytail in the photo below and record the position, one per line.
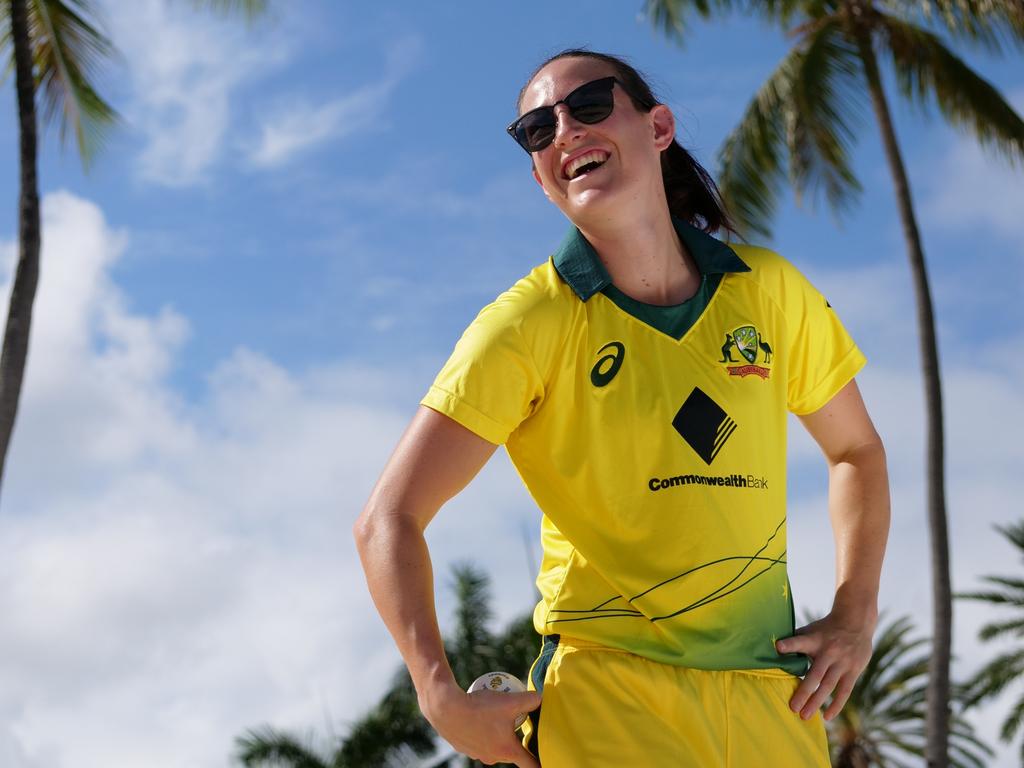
(691, 192)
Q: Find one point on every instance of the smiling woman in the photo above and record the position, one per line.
(690, 191)
(643, 348)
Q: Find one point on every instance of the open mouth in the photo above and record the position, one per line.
(584, 164)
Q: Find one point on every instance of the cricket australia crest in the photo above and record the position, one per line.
(747, 342)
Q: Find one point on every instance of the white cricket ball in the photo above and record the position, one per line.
(500, 682)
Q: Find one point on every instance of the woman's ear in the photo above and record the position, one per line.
(664, 124)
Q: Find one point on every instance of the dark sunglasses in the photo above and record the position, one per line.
(590, 103)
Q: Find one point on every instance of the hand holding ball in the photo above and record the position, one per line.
(500, 682)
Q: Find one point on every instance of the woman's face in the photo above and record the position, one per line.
(628, 145)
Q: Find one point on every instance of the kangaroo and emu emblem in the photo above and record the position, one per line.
(748, 343)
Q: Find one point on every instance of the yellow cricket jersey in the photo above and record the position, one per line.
(653, 439)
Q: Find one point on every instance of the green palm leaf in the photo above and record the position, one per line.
(825, 96)
(268, 748)
(999, 598)
(1008, 667)
(751, 159)
(991, 679)
(248, 8)
(1012, 723)
(395, 724)
(926, 69)
(675, 17)
(998, 628)
(471, 648)
(989, 23)
(1015, 534)
(67, 50)
(806, 109)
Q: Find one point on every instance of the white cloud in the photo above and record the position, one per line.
(298, 126)
(171, 574)
(184, 67)
(968, 186)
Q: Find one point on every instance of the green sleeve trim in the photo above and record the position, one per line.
(459, 410)
(841, 375)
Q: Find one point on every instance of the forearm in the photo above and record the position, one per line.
(859, 509)
(399, 574)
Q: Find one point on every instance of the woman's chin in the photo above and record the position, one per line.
(591, 202)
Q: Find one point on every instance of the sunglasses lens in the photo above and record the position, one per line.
(591, 106)
(536, 130)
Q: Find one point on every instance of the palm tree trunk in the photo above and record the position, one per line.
(26, 276)
(937, 718)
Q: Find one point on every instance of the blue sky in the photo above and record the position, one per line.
(244, 299)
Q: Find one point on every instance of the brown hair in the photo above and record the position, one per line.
(691, 192)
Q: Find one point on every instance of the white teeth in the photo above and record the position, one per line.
(590, 157)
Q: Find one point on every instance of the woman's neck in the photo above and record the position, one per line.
(645, 258)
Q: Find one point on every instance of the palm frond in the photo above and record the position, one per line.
(989, 24)
(1015, 532)
(675, 17)
(991, 679)
(1009, 582)
(826, 108)
(6, 59)
(751, 158)
(966, 749)
(472, 644)
(250, 9)
(1013, 721)
(887, 646)
(998, 628)
(805, 112)
(394, 724)
(67, 50)
(269, 748)
(988, 597)
(926, 69)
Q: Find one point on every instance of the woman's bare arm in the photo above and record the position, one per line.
(858, 498)
(434, 460)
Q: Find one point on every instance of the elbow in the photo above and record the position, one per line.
(363, 529)
(869, 452)
(877, 449)
(382, 525)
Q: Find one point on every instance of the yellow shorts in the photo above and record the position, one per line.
(606, 707)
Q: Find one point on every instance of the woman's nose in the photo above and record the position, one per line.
(567, 128)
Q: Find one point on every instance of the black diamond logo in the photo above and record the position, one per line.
(703, 425)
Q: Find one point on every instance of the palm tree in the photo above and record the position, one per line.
(805, 113)
(56, 46)
(389, 735)
(394, 733)
(883, 720)
(992, 679)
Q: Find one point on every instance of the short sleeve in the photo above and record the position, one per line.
(491, 383)
(823, 358)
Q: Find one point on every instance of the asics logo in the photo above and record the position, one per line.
(607, 365)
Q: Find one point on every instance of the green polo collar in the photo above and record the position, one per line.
(579, 265)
